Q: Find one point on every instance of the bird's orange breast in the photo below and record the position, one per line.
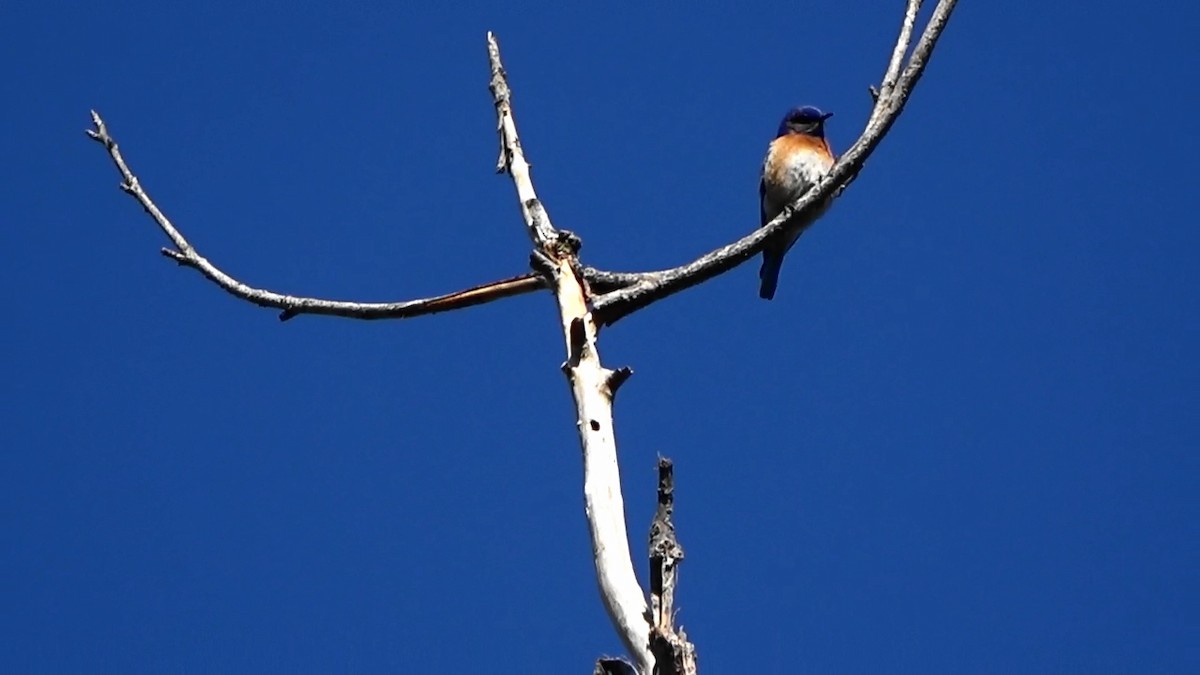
(792, 143)
(794, 162)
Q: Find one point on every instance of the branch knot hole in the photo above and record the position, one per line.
(568, 243)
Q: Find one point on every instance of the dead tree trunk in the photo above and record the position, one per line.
(587, 300)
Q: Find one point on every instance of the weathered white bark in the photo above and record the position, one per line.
(592, 387)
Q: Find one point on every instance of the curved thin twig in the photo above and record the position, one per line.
(293, 305)
(650, 287)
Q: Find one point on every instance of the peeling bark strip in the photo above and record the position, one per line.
(672, 651)
(555, 260)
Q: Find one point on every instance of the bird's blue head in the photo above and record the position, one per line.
(805, 120)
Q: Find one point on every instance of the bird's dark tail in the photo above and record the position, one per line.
(769, 274)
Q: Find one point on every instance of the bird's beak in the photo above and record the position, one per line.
(826, 116)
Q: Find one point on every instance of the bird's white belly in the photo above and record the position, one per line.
(792, 177)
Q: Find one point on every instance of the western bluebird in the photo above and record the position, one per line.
(796, 160)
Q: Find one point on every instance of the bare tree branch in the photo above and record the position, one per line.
(929, 37)
(292, 305)
(901, 48)
(653, 286)
(512, 156)
(672, 651)
(592, 386)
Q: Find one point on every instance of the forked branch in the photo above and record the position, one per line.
(643, 289)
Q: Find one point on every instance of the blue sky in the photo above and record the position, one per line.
(963, 437)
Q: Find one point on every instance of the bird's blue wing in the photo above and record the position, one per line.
(772, 257)
(762, 206)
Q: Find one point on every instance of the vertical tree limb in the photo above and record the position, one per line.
(672, 651)
(592, 387)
